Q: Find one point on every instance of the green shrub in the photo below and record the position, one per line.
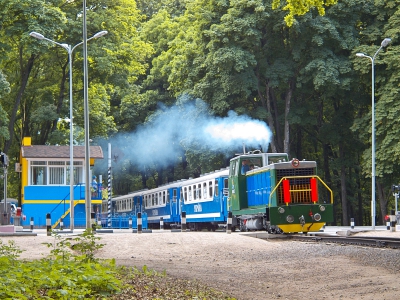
(63, 275)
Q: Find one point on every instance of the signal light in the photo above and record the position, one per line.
(3, 159)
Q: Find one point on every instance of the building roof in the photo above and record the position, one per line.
(43, 151)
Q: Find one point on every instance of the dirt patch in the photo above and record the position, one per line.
(251, 268)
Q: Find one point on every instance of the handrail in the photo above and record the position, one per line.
(63, 200)
(295, 177)
(66, 212)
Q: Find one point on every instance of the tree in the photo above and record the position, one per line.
(301, 7)
(4, 89)
(18, 18)
(381, 22)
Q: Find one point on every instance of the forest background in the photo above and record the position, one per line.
(168, 67)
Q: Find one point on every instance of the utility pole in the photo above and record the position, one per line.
(4, 161)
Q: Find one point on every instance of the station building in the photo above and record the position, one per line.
(45, 183)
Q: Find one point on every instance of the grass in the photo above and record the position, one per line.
(148, 284)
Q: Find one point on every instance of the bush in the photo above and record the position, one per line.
(64, 275)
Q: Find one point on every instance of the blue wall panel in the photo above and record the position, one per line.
(58, 198)
(258, 188)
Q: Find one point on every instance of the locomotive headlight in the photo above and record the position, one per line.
(322, 208)
(290, 219)
(317, 217)
(281, 210)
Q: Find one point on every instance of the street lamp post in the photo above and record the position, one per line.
(70, 50)
(384, 43)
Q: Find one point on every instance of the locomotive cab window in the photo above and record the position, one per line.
(277, 159)
(234, 167)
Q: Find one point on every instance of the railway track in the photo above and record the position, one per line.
(369, 241)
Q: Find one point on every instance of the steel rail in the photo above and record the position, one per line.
(353, 240)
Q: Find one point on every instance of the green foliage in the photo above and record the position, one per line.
(63, 276)
(301, 7)
(4, 85)
(85, 245)
(10, 250)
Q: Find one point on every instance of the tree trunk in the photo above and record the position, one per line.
(25, 72)
(359, 219)
(383, 202)
(270, 119)
(328, 178)
(288, 98)
(345, 215)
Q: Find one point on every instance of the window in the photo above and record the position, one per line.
(190, 193)
(216, 188)
(199, 191)
(78, 172)
(38, 173)
(56, 172)
(163, 197)
(226, 187)
(205, 190)
(234, 167)
(210, 189)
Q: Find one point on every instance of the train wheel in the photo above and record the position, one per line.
(242, 226)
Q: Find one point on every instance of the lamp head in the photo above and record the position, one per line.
(100, 34)
(359, 54)
(386, 42)
(37, 35)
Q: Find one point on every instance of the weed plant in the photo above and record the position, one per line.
(70, 272)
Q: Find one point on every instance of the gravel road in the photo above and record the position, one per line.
(251, 268)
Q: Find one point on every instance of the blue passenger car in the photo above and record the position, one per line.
(204, 200)
(124, 209)
(162, 202)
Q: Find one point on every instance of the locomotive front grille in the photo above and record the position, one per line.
(294, 172)
(300, 187)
